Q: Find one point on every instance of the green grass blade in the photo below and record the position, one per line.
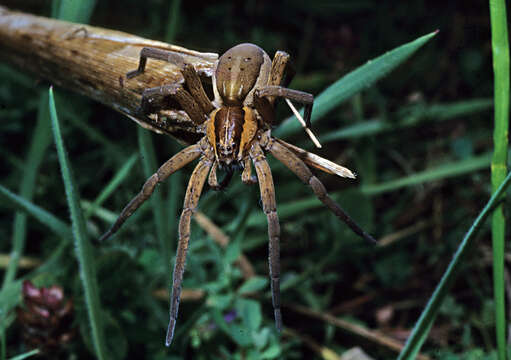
(441, 172)
(355, 81)
(413, 117)
(500, 47)
(112, 185)
(174, 203)
(150, 166)
(26, 355)
(58, 226)
(423, 325)
(75, 11)
(41, 139)
(83, 246)
(173, 21)
(444, 171)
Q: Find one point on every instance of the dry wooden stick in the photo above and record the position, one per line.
(368, 334)
(322, 351)
(25, 262)
(94, 61)
(223, 240)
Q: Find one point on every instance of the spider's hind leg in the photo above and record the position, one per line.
(296, 165)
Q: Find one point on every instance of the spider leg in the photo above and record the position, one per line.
(282, 71)
(192, 196)
(175, 163)
(213, 180)
(281, 74)
(295, 95)
(152, 98)
(293, 163)
(267, 191)
(195, 87)
(155, 53)
(246, 175)
(318, 162)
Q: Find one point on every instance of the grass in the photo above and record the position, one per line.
(425, 322)
(83, 247)
(500, 47)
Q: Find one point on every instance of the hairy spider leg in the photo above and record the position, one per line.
(193, 192)
(267, 190)
(192, 81)
(189, 100)
(152, 98)
(282, 71)
(213, 180)
(296, 165)
(291, 94)
(158, 54)
(175, 163)
(318, 162)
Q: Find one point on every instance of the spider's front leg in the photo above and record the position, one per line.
(291, 94)
(267, 191)
(246, 175)
(213, 180)
(192, 196)
(175, 163)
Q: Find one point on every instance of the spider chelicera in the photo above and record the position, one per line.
(237, 133)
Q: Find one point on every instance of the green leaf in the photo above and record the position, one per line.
(425, 322)
(254, 284)
(76, 11)
(218, 301)
(354, 82)
(250, 311)
(272, 352)
(232, 252)
(110, 188)
(235, 332)
(55, 224)
(41, 139)
(82, 244)
(412, 116)
(500, 50)
(443, 171)
(148, 155)
(25, 355)
(10, 297)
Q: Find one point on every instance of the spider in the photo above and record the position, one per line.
(237, 133)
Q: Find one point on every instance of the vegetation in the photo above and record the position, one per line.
(407, 108)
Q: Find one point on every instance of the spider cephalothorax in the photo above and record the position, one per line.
(236, 125)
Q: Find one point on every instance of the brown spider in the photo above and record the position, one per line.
(237, 132)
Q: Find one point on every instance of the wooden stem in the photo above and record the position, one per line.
(94, 61)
